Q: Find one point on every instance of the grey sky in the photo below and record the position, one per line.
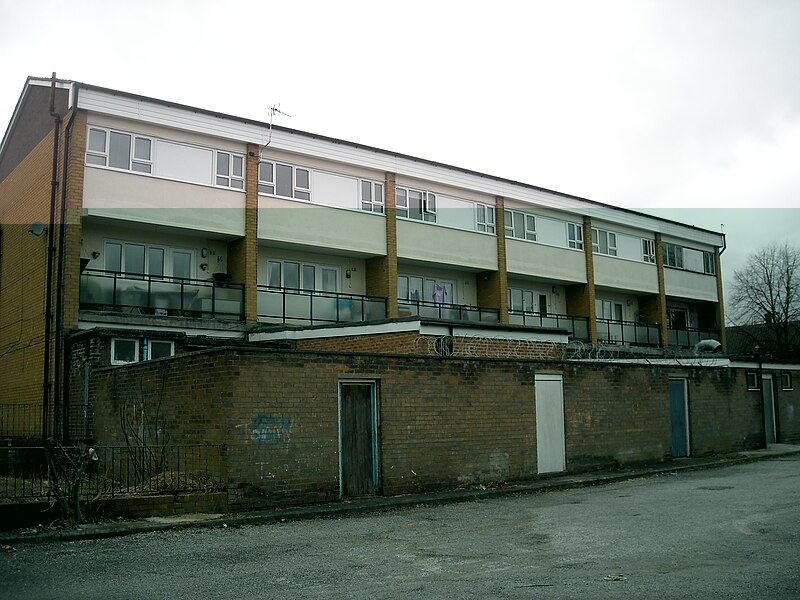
(686, 105)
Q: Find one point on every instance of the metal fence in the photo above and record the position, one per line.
(579, 326)
(21, 420)
(452, 312)
(117, 470)
(310, 307)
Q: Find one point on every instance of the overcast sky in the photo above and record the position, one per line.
(687, 108)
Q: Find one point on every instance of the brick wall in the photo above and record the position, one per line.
(443, 422)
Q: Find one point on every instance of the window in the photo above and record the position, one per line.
(484, 218)
(608, 310)
(575, 236)
(604, 242)
(530, 301)
(124, 351)
(673, 256)
(137, 260)
(709, 263)
(371, 196)
(284, 180)
(415, 204)
(752, 381)
(649, 251)
(677, 318)
(415, 288)
(230, 170)
(160, 349)
(119, 150)
(302, 276)
(786, 381)
(520, 225)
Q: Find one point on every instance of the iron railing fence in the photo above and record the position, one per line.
(311, 307)
(688, 337)
(21, 420)
(579, 326)
(452, 312)
(117, 470)
(628, 332)
(161, 296)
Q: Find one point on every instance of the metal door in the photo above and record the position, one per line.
(679, 416)
(550, 437)
(768, 399)
(358, 450)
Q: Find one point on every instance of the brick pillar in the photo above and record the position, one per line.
(662, 292)
(492, 286)
(723, 337)
(590, 292)
(243, 253)
(381, 275)
(72, 233)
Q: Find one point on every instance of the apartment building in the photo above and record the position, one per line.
(154, 219)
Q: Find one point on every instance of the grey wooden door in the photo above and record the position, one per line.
(358, 464)
(679, 416)
(550, 437)
(769, 409)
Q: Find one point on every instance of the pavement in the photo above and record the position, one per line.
(383, 503)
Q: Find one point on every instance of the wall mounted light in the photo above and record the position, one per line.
(95, 255)
(347, 274)
(204, 252)
(36, 229)
(204, 266)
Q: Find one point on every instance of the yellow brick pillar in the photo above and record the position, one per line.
(381, 275)
(662, 292)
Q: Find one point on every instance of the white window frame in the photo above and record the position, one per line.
(229, 178)
(610, 241)
(270, 186)
(167, 270)
(575, 236)
(371, 196)
(752, 380)
(318, 275)
(528, 224)
(649, 251)
(151, 343)
(614, 307)
(115, 361)
(676, 261)
(427, 204)
(531, 301)
(709, 263)
(100, 158)
(786, 380)
(485, 218)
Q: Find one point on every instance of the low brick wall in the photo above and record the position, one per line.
(442, 422)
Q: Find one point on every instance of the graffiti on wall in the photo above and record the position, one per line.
(271, 431)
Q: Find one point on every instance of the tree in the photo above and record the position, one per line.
(765, 300)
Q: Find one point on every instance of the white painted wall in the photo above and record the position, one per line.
(686, 284)
(615, 272)
(538, 260)
(298, 222)
(143, 199)
(436, 244)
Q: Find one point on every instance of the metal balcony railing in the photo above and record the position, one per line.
(161, 296)
(689, 336)
(579, 326)
(628, 332)
(452, 312)
(309, 307)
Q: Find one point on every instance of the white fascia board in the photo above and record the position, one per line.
(141, 109)
(755, 366)
(211, 333)
(334, 332)
(664, 362)
(500, 335)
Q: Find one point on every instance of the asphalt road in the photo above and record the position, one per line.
(722, 533)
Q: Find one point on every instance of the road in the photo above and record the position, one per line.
(723, 533)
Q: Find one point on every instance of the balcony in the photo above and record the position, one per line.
(161, 296)
(310, 307)
(687, 337)
(452, 312)
(579, 326)
(628, 333)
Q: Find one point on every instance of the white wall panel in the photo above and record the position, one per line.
(334, 190)
(184, 163)
(685, 284)
(436, 244)
(625, 274)
(538, 260)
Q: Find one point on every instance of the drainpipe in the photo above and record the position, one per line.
(51, 249)
(58, 397)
